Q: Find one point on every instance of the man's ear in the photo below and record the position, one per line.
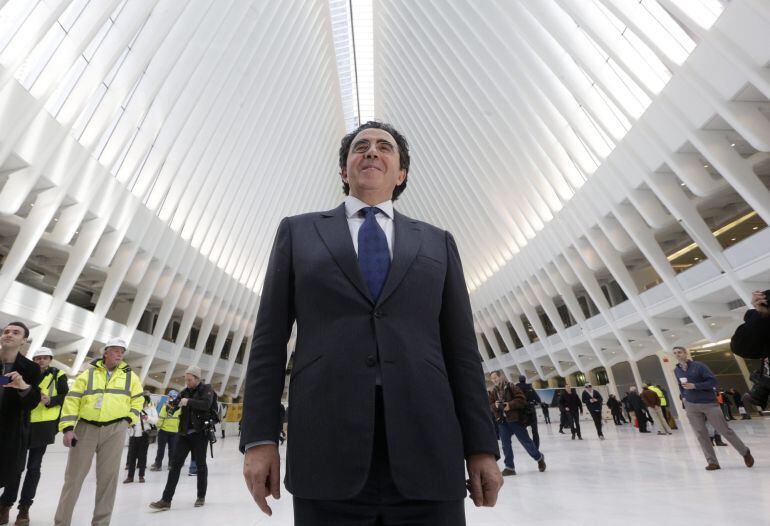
(344, 175)
(401, 177)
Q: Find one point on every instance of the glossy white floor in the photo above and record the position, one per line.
(628, 479)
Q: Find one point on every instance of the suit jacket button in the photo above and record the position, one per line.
(371, 361)
(378, 314)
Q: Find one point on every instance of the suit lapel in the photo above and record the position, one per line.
(407, 241)
(333, 228)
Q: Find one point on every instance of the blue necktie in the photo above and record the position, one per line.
(373, 253)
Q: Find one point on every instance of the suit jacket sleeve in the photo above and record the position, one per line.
(463, 361)
(266, 371)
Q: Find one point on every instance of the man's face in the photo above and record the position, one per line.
(43, 362)
(497, 379)
(191, 381)
(113, 356)
(12, 338)
(680, 354)
(373, 164)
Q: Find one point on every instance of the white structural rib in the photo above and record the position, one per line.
(148, 150)
(567, 144)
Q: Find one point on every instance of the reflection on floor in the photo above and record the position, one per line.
(628, 479)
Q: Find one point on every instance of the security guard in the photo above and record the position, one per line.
(102, 403)
(168, 427)
(44, 420)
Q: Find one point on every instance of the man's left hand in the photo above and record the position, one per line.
(17, 382)
(183, 402)
(689, 385)
(485, 479)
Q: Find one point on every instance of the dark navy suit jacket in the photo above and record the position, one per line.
(419, 334)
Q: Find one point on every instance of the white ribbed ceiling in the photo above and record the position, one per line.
(511, 106)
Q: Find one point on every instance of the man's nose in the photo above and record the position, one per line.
(371, 152)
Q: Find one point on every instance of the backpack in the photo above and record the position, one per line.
(214, 409)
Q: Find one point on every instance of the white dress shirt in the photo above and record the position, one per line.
(353, 205)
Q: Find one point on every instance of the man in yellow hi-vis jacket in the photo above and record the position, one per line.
(102, 403)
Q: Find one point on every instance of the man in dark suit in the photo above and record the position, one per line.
(387, 395)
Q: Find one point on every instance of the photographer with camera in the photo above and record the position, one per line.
(195, 430)
(752, 340)
(509, 407)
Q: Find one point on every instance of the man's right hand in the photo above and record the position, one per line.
(68, 436)
(760, 303)
(262, 471)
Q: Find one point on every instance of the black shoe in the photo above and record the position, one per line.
(748, 459)
(712, 467)
(573, 437)
(562, 432)
(508, 472)
(161, 505)
(541, 463)
(200, 501)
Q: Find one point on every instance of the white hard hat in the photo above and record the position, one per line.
(115, 342)
(43, 351)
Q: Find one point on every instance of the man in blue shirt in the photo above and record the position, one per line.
(697, 384)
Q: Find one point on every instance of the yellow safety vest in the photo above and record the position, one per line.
(95, 399)
(166, 422)
(42, 413)
(658, 392)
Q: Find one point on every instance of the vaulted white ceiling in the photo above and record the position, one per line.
(162, 141)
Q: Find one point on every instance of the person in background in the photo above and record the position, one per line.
(616, 409)
(533, 400)
(44, 421)
(738, 401)
(652, 401)
(19, 395)
(168, 427)
(593, 401)
(194, 407)
(665, 406)
(102, 403)
(509, 407)
(546, 415)
(697, 384)
(637, 406)
(139, 440)
(573, 408)
(725, 404)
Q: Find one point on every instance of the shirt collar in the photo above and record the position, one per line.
(353, 205)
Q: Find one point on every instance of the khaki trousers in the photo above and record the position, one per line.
(107, 444)
(660, 420)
